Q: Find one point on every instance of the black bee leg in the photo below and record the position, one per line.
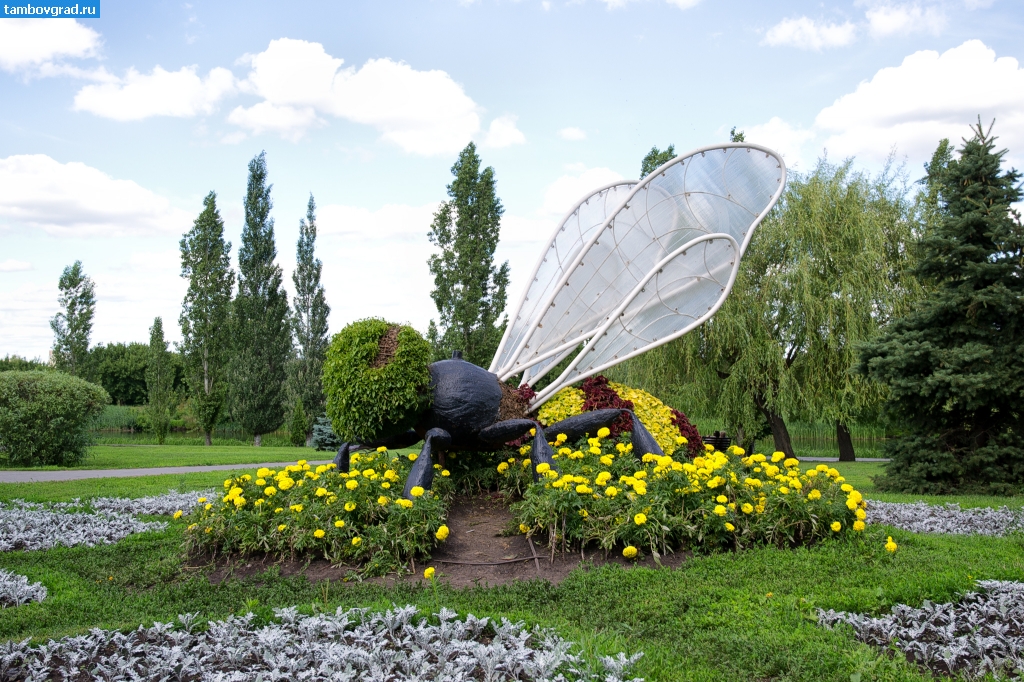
(504, 431)
(541, 453)
(589, 422)
(422, 474)
(402, 440)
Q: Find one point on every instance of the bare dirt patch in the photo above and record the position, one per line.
(386, 348)
(476, 553)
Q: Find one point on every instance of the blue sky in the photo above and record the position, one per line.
(112, 130)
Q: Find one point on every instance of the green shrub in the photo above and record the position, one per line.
(297, 427)
(367, 402)
(45, 417)
(604, 495)
(356, 517)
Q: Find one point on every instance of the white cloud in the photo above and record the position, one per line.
(886, 20)
(681, 4)
(73, 199)
(789, 141)
(33, 43)
(289, 122)
(806, 34)
(572, 133)
(565, 191)
(11, 265)
(927, 97)
(423, 112)
(181, 93)
(503, 133)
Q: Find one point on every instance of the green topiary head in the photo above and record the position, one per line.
(376, 379)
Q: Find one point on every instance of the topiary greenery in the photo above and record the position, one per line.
(44, 417)
(376, 379)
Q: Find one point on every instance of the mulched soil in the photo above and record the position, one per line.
(386, 347)
(476, 553)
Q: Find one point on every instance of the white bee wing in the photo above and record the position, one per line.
(571, 235)
(661, 263)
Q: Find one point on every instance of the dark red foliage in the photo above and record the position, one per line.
(526, 393)
(688, 431)
(598, 395)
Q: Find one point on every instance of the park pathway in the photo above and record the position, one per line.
(78, 474)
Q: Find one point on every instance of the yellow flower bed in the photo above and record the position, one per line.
(605, 495)
(656, 415)
(360, 516)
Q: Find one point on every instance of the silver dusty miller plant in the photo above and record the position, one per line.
(980, 634)
(15, 590)
(99, 521)
(344, 646)
(920, 517)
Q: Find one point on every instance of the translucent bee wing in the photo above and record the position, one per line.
(572, 234)
(722, 192)
(681, 292)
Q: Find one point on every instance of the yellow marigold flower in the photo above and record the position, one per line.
(270, 491)
(263, 472)
(339, 524)
(814, 495)
(890, 546)
(178, 514)
(542, 467)
(351, 484)
(301, 462)
(523, 528)
(445, 473)
(858, 525)
(851, 504)
(259, 502)
(583, 490)
(611, 491)
(285, 483)
(240, 502)
(561, 438)
(416, 491)
(640, 474)
(318, 533)
(382, 448)
(404, 503)
(261, 481)
(640, 488)
(279, 510)
(297, 508)
(607, 460)
(320, 492)
(429, 573)
(442, 533)
(584, 513)
(860, 514)
(533, 432)
(680, 440)
(208, 506)
(784, 490)
(356, 542)
(846, 488)
(629, 551)
(413, 456)
(603, 432)
(594, 450)
(640, 519)
(721, 499)
(836, 526)
(747, 508)
(720, 510)
(778, 456)
(193, 526)
(526, 463)
(602, 478)
(729, 527)
(382, 500)
(791, 462)
(281, 527)
(385, 485)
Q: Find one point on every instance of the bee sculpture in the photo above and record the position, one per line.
(633, 265)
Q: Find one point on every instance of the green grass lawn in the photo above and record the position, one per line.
(141, 456)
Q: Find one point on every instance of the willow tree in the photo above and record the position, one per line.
(825, 270)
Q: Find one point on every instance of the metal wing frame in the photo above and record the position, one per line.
(622, 279)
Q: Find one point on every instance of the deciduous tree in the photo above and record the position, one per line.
(469, 291)
(73, 325)
(260, 324)
(309, 319)
(205, 313)
(159, 381)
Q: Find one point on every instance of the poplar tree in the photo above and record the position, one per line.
(469, 291)
(205, 313)
(159, 381)
(953, 366)
(73, 325)
(260, 324)
(655, 159)
(310, 322)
